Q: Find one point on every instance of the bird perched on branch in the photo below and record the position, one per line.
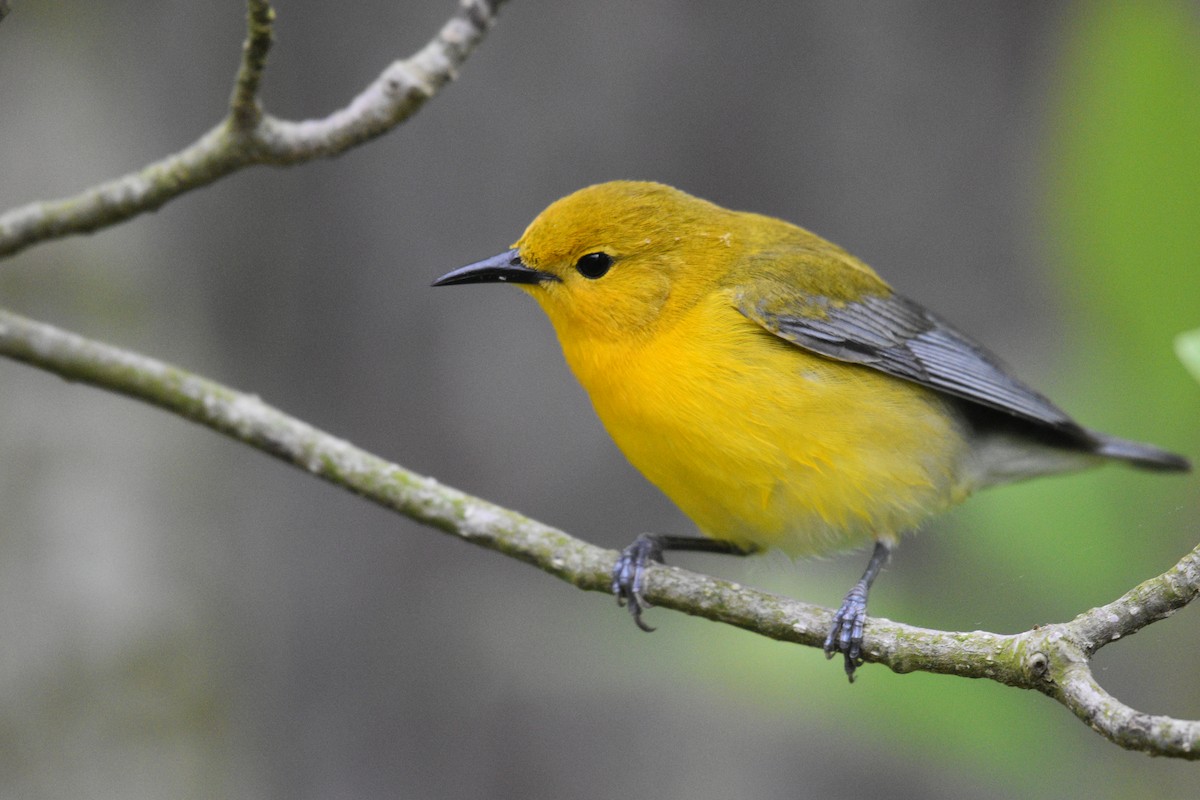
(774, 387)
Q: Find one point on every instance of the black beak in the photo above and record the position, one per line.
(503, 268)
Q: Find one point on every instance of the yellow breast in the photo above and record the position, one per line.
(760, 442)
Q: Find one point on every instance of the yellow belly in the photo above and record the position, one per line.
(760, 442)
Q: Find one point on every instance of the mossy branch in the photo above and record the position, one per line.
(1052, 659)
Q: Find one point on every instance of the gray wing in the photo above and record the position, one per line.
(897, 336)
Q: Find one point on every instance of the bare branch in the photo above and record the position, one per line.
(1148, 602)
(248, 136)
(1134, 730)
(244, 105)
(1052, 659)
(247, 419)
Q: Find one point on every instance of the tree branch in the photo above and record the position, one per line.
(245, 109)
(1052, 659)
(249, 136)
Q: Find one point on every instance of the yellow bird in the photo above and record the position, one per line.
(773, 386)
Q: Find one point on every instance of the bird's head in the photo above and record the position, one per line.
(616, 260)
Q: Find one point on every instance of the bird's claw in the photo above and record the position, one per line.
(846, 633)
(629, 575)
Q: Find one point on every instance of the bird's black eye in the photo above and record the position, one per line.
(594, 265)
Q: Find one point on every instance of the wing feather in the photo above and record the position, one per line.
(896, 336)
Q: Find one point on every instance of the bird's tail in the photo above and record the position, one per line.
(1142, 456)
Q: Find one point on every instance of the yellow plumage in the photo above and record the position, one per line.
(759, 442)
(773, 386)
(763, 444)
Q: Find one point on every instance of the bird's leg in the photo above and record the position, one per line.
(628, 574)
(846, 633)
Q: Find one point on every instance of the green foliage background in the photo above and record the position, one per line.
(1121, 210)
(1122, 214)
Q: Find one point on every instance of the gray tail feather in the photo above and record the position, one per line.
(1142, 456)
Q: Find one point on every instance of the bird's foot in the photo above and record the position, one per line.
(846, 633)
(629, 574)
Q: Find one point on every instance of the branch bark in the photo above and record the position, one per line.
(1052, 659)
(248, 136)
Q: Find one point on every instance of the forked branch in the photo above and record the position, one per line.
(248, 136)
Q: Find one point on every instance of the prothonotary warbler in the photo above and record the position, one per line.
(773, 386)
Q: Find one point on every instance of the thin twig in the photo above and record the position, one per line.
(244, 106)
(248, 136)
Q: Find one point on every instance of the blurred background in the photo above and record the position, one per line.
(184, 617)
